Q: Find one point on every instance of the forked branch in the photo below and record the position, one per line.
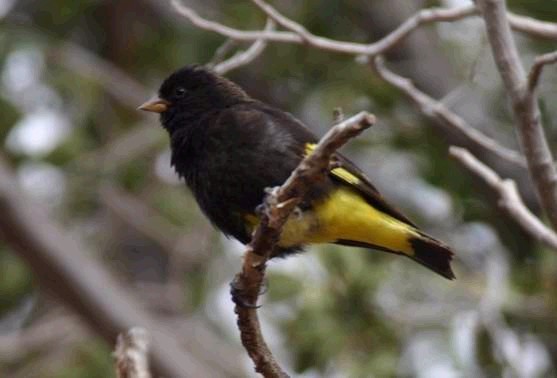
(509, 198)
(524, 102)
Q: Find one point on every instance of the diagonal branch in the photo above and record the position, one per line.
(63, 266)
(284, 21)
(440, 113)
(236, 34)
(245, 57)
(524, 104)
(279, 204)
(510, 199)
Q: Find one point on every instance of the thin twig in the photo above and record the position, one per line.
(524, 103)
(422, 17)
(439, 112)
(533, 27)
(298, 34)
(221, 52)
(131, 354)
(510, 199)
(283, 21)
(537, 68)
(245, 57)
(279, 204)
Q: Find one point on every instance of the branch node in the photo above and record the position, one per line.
(509, 198)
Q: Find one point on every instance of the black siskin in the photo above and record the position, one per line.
(229, 147)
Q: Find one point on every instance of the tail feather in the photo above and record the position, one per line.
(426, 251)
(432, 254)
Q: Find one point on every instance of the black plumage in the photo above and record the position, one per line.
(229, 147)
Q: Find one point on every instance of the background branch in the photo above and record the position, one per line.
(437, 111)
(88, 64)
(245, 57)
(298, 34)
(61, 263)
(510, 199)
(524, 103)
(533, 27)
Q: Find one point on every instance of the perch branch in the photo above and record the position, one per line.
(524, 103)
(279, 204)
(510, 199)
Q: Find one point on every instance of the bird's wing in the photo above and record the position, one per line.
(347, 173)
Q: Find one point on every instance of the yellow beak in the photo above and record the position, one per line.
(155, 105)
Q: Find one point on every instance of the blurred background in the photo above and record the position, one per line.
(73, 72)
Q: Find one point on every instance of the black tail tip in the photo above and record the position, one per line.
(434, 255)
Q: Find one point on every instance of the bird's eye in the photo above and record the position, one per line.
(180, 92)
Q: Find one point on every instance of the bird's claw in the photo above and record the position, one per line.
(260, 209)
(269, 201)
(237, 294)
(334, 163)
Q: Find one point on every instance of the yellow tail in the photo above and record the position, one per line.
(346, 218)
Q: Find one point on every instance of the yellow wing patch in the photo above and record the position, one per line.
(340, 172)
(344, 215)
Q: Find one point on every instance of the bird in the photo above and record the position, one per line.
(229, 148)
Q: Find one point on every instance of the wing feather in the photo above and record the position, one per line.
(347, 173)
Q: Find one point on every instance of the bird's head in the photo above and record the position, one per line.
(190, 92)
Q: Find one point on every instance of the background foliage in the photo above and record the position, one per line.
(70, 130)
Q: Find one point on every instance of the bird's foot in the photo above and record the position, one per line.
(237, 293)
(334, 163)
